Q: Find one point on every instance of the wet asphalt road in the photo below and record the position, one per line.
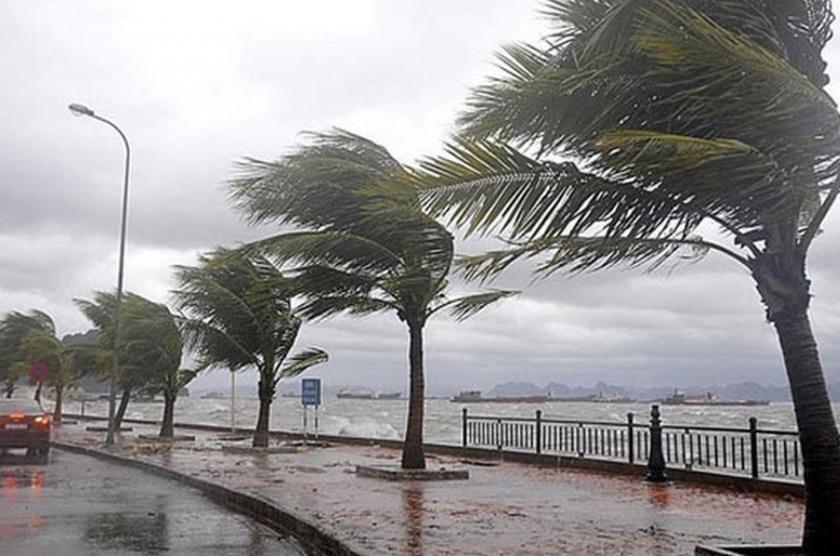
(78, 505)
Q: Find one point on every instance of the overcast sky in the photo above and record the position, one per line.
(197, 85)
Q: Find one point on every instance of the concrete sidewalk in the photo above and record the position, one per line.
(504, 508)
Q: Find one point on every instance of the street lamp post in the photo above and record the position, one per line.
(81, 110)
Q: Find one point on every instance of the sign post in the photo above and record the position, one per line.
(310, 395)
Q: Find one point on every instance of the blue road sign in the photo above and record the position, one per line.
(310, 391)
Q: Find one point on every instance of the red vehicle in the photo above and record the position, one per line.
(25, 425)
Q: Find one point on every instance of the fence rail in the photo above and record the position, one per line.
(750, 451)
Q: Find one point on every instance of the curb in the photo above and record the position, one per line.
(314, 540)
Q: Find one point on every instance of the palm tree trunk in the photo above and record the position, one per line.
(167, 426)
(817, 433)
(266, 396)
(118, 419)
(59, 399)
(10, 389)
(413, 456)
(38, 392)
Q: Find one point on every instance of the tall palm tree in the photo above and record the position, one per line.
(14, 327)
(648, 119)
(366, 245)
(239, 314)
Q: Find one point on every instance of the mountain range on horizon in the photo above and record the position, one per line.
(735, 391)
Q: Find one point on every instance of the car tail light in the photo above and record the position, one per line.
(17, 416)
(43, 421)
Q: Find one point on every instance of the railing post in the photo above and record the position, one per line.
(464, 427)
(538, 432)
(630, 451)
(581, 441)
(656, 461)
(754, 447)
(499, 442)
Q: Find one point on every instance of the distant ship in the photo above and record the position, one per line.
(215, 395)
(678, 398)
(598, 398)
(348, 394)
(474, 396)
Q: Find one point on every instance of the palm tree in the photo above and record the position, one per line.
(34, 339)
(152, 341)
(366, 245)
(649, 119)
(132, 375)
(14, 327)
(65, 364)
(239, 314)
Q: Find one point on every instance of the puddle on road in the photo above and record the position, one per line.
(141, 532)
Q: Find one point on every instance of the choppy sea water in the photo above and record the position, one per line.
(386, 418)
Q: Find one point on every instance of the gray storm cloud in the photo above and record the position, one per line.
(197, 85)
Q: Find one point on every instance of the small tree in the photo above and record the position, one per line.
(367, 246)
(133, 375)
(239, 314)
(14, 327)
(668, 114)
(152, 342)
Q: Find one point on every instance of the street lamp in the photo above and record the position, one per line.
(82, 110)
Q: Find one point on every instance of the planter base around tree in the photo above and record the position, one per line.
(233, 437)
(285, 449)
(105, 429)
(750, 550)
(175, 438)
(397, 473)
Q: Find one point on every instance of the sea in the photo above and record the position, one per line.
(386, 418)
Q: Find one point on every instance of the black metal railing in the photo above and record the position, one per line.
(749, 451)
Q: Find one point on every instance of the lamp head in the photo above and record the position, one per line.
(80, 110)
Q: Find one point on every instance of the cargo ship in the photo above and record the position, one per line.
(678, 398)
(348, 394)
(474, 396)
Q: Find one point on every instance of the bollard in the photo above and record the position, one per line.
(656, 461)
(464, 427)
(754, 447)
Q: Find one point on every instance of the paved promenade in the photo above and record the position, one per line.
(504, 508)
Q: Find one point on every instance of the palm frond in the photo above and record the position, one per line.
(575, 254)
(325, 306)
(302, 361)
(491, 186)
(464, 307)
(341, 249)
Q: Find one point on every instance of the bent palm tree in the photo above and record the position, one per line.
(14, 327)
(366, 247)
(239, 315)
(152, 341)
(133, 374)
(679, 113)
(40, 345)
